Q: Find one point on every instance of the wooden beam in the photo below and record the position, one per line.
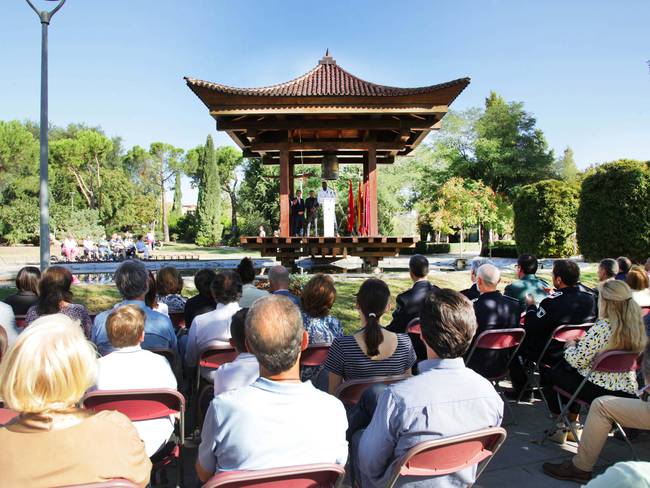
(284, 193)
(326, 146)
(372, 189)
(343, 123)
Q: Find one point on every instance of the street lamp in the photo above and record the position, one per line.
(44, 197)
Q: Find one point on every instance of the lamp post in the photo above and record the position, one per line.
(44, 197)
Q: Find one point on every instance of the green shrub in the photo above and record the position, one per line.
(614, 214)
(78, 223)
(19, 221)
(428, 248)
(184, 227)
(545, 218)
(504, 249)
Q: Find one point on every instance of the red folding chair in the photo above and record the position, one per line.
(7, 415)
(212, 356)
(315, 354)
(145, 404)
(562, 335)
(305, 476)
(499, 340)
(21, 322)
(414, 327)
(613, 361)
(449, 455)
(178, 320)
(114, 483)
(349, 392)
(645, 311)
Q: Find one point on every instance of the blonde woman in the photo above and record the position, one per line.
(619, 326)
(43, 377)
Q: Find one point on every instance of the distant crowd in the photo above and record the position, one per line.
(432, 372)
(117, 248)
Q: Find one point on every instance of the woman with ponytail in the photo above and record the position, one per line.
(373, 350)
(619, 326)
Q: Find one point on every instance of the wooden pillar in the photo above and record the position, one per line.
(284, 193)
(292, 167)
(370, 175)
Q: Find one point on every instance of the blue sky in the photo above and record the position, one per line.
(579, 66)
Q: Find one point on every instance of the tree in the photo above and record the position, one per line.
(208, 208)
(565, 167)
(166, 163)
(177, 205)
(259, 197)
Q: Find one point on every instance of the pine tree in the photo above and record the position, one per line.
(208, 209)
(177, 206)
(565, 167)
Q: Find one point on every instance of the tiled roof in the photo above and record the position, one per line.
(327, 79)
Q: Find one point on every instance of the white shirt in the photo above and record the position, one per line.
(162, 308)
(209, 327)
(243, 371)
(324, 194)
(8, 323)
(642, 297)
(132, 368)
(249, 294)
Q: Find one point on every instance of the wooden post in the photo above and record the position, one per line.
(292, 167)
(370, 175)
(284, 193)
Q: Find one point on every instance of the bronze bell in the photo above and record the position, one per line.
(330, 167)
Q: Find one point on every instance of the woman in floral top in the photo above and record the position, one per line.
(316, 300)
(170, 285)
(620, 327)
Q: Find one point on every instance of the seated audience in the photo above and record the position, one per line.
(620, 327)
(624, 265)
(170, 285)
(54, 296)
(8, 323)
(317, 299)
(607, 270)
(245, 369)
(568, 305)
(142, 248)
(372, 351)
(129, 367)
(444, 400)
(279, 280)
(631, 413)
(131, 280)
(69, 248)
(44, 376)
(204, 301)
(493, 311)
(151, 298)
(272, 422)
(472, 292)
(407, 304)
(27, 283)
(214, 326)
(637, 279)
(250, 292)
(527, 282)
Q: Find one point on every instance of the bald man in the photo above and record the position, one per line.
(493, 311)
(278, 420)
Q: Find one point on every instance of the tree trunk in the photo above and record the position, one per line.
(233, 214)
(461, 242)
(163, 205)
(485, 240)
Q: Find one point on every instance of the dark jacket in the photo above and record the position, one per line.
(289, 295)
(21, 301)
(472, 292)
(407, 307)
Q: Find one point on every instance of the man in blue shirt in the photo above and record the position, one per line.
(131, 279)
(279, 280)
(444, 400)
(277, 421)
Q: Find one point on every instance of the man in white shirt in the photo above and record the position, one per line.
(245, 369)
(214, 326)
(278, 420)
(130, 367)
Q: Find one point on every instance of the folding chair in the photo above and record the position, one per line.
(205, 397)
(178, 320)
(21, 321)
(305, 476)
(499, 340)
(562, 334)
(145, 404)
(315, 354)
(645, 311)
(114, 483)
(349, 392)
(414, 327)
(449, 455)
(7, 415)
(612, 361)
(212, 356)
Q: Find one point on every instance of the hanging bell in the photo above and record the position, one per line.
(330, 167)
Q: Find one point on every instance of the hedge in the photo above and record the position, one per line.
(545, 218)
(614, 214)
(504, 249)
(428, 248)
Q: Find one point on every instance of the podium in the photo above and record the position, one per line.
(328, 206)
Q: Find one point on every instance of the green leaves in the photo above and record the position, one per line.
(208, 209)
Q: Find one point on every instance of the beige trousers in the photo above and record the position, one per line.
(629, 412)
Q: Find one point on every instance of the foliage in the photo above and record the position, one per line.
(184, 227)
(565, 167)
(614, 214)
(504, 249)
(429, 248)
(165, 163)
(19, 222)
(208, 209)
(78, 223)
(545, 216)
(258, 198)
(177, 205)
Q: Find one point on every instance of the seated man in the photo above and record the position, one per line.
(472, 292)
(130, 367)
(245, 369)
(278, 420)
(408, 304)
(624, 265)
(132, 281)
(493, 311)
(568, 305)
(445, 399)
(527, 283)
(141, 248)
(279, 280)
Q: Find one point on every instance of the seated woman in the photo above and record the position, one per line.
(170, 285)
(316, 301)
(637, 279)
(27, 283)
(372, 351)
(44, 376)
(54, 296)
(620, 327)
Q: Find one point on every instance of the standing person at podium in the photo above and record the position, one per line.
(311, 207)
(327, 201)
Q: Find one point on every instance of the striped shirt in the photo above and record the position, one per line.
(346, 359)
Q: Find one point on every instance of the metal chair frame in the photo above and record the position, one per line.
(276, 477)
(217, 347)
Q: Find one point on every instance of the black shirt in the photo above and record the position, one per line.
(311, 204)
(21, 301)
(472, 292)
